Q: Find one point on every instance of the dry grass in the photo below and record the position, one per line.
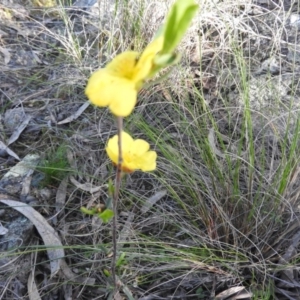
(221, 211)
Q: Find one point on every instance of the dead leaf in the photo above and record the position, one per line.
(242, 295)
(9, 151)
(24, 167)
(81, 109)
(71, 160)
(61, 194)
(87, 187)
(229, 292)
(152, 200)
(3, 230)
(6, 54)
(33, 292)
(15, 135)
(26, 183)
(53, 244)
(60, 198)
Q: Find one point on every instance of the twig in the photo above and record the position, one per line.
(115, 199)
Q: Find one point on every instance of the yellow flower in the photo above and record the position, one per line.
(135, 153)
(117, 85)
(144, 66)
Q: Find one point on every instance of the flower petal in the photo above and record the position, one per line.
(148, 161)
(127, 142)
(139, 147)
(123, 98)
(105, 89)
(123, 64)
(112, 149)
(129, 166)
(145, 63)
(95, 89)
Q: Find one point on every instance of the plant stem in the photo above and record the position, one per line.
(115, 199)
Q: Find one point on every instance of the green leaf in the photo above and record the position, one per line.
(169, 31)
(87, 211)
(106, 215)
(178, 21)
(166, 60)
(108, 202)
(111, 188)
(121, 260)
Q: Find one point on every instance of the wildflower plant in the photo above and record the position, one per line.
(117, 85)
